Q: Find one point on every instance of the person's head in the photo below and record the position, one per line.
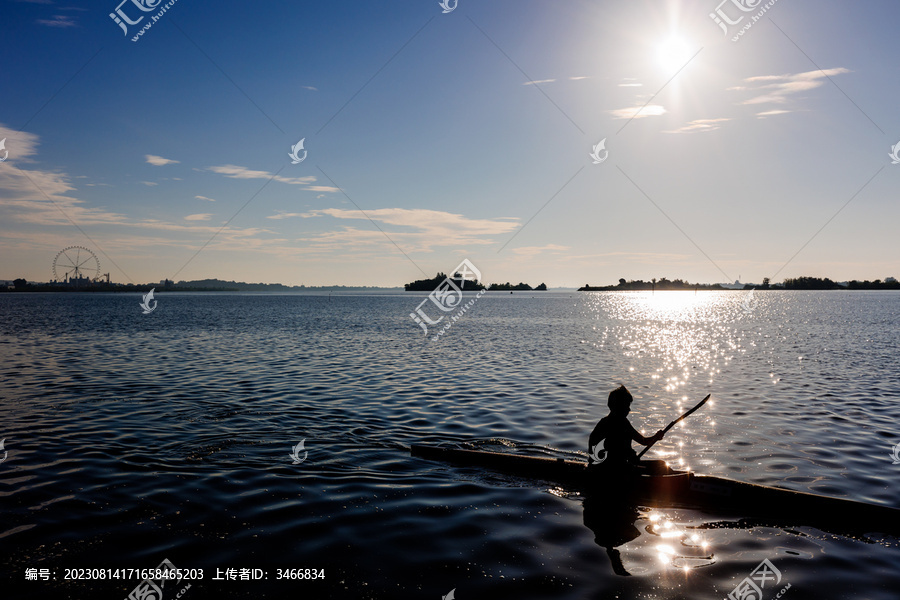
(619, 401)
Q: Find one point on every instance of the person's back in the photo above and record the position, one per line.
(614, 434)
(610, 442)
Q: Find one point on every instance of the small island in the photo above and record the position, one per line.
(428, 285)
(523, 287)
(662, 284)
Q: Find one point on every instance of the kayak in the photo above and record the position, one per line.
(682, 489)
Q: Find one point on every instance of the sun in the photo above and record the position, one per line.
(672, 54)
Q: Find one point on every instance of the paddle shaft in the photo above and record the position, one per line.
(675, 422)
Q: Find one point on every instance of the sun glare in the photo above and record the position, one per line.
(672, 54)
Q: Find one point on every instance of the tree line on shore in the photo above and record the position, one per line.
(796, 283)
(654, 284)
(428, 285)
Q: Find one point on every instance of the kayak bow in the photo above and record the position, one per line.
(682, 489)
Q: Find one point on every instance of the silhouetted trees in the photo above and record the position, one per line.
(428, 285)
(508, 287)
(662, 283)
(809, 283)
(888, 284)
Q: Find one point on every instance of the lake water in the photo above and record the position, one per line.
(135, 438)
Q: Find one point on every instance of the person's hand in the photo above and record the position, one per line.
(658, 435)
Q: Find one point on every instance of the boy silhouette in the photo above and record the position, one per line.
(610, 442)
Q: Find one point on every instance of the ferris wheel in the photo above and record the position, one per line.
(76, 262)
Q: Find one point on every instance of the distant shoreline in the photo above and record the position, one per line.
(797, 283)
(161, 289)
(662, 285)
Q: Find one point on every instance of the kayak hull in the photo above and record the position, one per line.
(717, 495)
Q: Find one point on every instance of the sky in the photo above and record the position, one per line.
(560, 142)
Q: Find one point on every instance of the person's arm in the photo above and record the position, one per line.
(637, 437)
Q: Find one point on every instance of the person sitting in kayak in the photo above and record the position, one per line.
(610, 442)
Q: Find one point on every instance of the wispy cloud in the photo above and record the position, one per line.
(700, 125)
(238, 172)
(286, 215)
(309, 87)
(37, 206)
(638, 112)
(417, 230)
(777, 88)
(151, 183)
(538, 81)
(769, 113)
(43, 198)
(20, 145)
(57, 21)
(159, 161)
(204, 198)
(536, 250)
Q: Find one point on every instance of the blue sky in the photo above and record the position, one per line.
(435, 137)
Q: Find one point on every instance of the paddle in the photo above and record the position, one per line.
(675, 422)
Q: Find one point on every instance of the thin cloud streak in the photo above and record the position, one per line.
(638, 112)
(700, 125)
(776, 89)
(238, 172)
(159, 161)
